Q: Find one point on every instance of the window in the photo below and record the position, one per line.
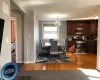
(50, 31)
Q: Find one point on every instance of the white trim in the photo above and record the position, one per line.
(16, 46)
(19, 62)
(29, 62)
(97, 69)
(25, 39)
(25, 62)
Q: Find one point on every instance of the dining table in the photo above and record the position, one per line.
(47, 46)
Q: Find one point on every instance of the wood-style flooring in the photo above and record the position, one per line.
(86, 61)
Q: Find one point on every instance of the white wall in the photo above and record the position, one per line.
(98, 44)
(18, 4)
(29, 47)
(36, 36)
(5, 55)
(28, 31)
(29, 38)
(29, 52)
(19, 35)
(32, 38)
(63, 30)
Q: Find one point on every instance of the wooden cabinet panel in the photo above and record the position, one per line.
(89, 26)
(93, 27)
(70, 27)
(91, 46)
(85, 27)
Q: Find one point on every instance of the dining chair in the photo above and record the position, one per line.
(54, 49)
(64, 44)
(62, 48)
(43, 51)
(42, 43)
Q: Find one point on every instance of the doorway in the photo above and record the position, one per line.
(13, 40)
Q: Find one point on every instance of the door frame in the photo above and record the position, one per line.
(16, 46)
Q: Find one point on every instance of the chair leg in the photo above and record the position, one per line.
(58, 56)
(50, 57)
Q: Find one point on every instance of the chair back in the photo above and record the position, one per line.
(63, 44)
(54, 47)
(41, 43)
(50, 40)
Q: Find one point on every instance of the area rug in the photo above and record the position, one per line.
(52, 60)
(59, 75)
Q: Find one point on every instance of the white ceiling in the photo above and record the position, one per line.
(65, 9)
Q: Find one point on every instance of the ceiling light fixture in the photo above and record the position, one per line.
(58, 22)
(96, 17)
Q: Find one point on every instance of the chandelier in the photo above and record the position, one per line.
(58, 22)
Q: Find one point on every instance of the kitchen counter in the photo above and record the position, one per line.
(90, 45)
(90, 40)
(81, 40)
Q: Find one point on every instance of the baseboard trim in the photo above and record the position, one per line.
(29, 62)
(98, 70)
(19, 62)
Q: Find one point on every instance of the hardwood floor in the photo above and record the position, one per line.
(86, 61)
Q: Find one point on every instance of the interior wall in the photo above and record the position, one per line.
(29, 38)
(20, 35)
(36, 36)
(28, 32)
(5, 55)
(18, 4)
(63, 30)
(32, 37)
(40, 30)
(98, 44)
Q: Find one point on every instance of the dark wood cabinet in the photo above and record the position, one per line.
(93, 25)
(85, 27)
(91, 46)
(89, 26)
(70, 27)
